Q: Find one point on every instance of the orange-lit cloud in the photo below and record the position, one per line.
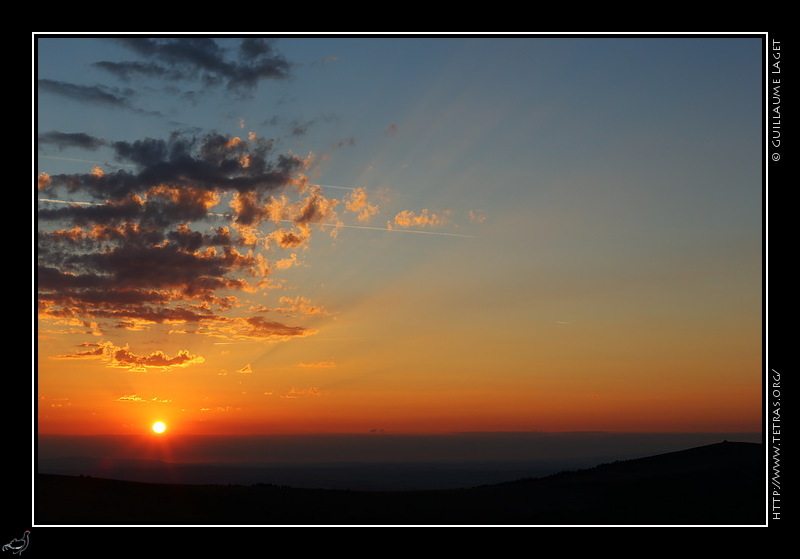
(291, 239)
(124, 358)
(300, 306)
(253, 328)
(288, 262)
(316, 208)
(222, 409)
(476, 216)
(54, 402)
(147, 251)
(297, 393)
(318, 365)
(139, 399)
(358, 203)
(425, 218)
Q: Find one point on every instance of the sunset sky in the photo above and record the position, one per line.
(398, 235)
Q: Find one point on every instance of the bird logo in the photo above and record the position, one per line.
(17, 546)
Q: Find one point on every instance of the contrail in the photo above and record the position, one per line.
(400, 230)
(75, 160)
(339, 187)
(367, 227)
(67, 202)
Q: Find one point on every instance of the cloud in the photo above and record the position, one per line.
(301, 306)
(358, 202)
(285, 263)
(258, 327)
(476, 216)
(139, 399)
(316, 208)
(123, 358)
(130, 398)
(55, 402)
(223, 409)
(95, 95)
(201, 59)
(290, 239)
(176, 178)
(64, 140)
(297, 393)
(142, 246)
(408, 218)
(255, 328)
(318, 365)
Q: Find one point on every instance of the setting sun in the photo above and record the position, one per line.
(159, 427)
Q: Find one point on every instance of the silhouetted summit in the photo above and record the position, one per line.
(719, 484)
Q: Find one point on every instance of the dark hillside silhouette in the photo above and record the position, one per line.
(719, 484)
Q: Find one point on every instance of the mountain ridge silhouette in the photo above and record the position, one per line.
(717, 484)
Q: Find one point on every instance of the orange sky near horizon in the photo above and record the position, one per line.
(419, 375)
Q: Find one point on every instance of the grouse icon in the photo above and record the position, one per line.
(17, 546)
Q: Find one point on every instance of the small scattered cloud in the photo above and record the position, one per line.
(221, 409)
(358, 202)
(285, 263)
(139, 399)
(476, 216)
(300, 306)
(425, 218)
(318, 365)
(262, 328)
(130, 398)
(294, 393)
(327, 60)
(54, 402)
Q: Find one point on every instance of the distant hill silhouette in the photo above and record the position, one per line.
(719, 484)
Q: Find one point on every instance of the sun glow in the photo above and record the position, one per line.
(159, 427)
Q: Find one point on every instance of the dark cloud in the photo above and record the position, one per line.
(148, 251)
(301, 128)
(289, 239)
(261, 328)
(178, 60)
(316, 209)
(64, 140)
(202, 59)
(211, 163)
(127, 275)
(93, 94)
